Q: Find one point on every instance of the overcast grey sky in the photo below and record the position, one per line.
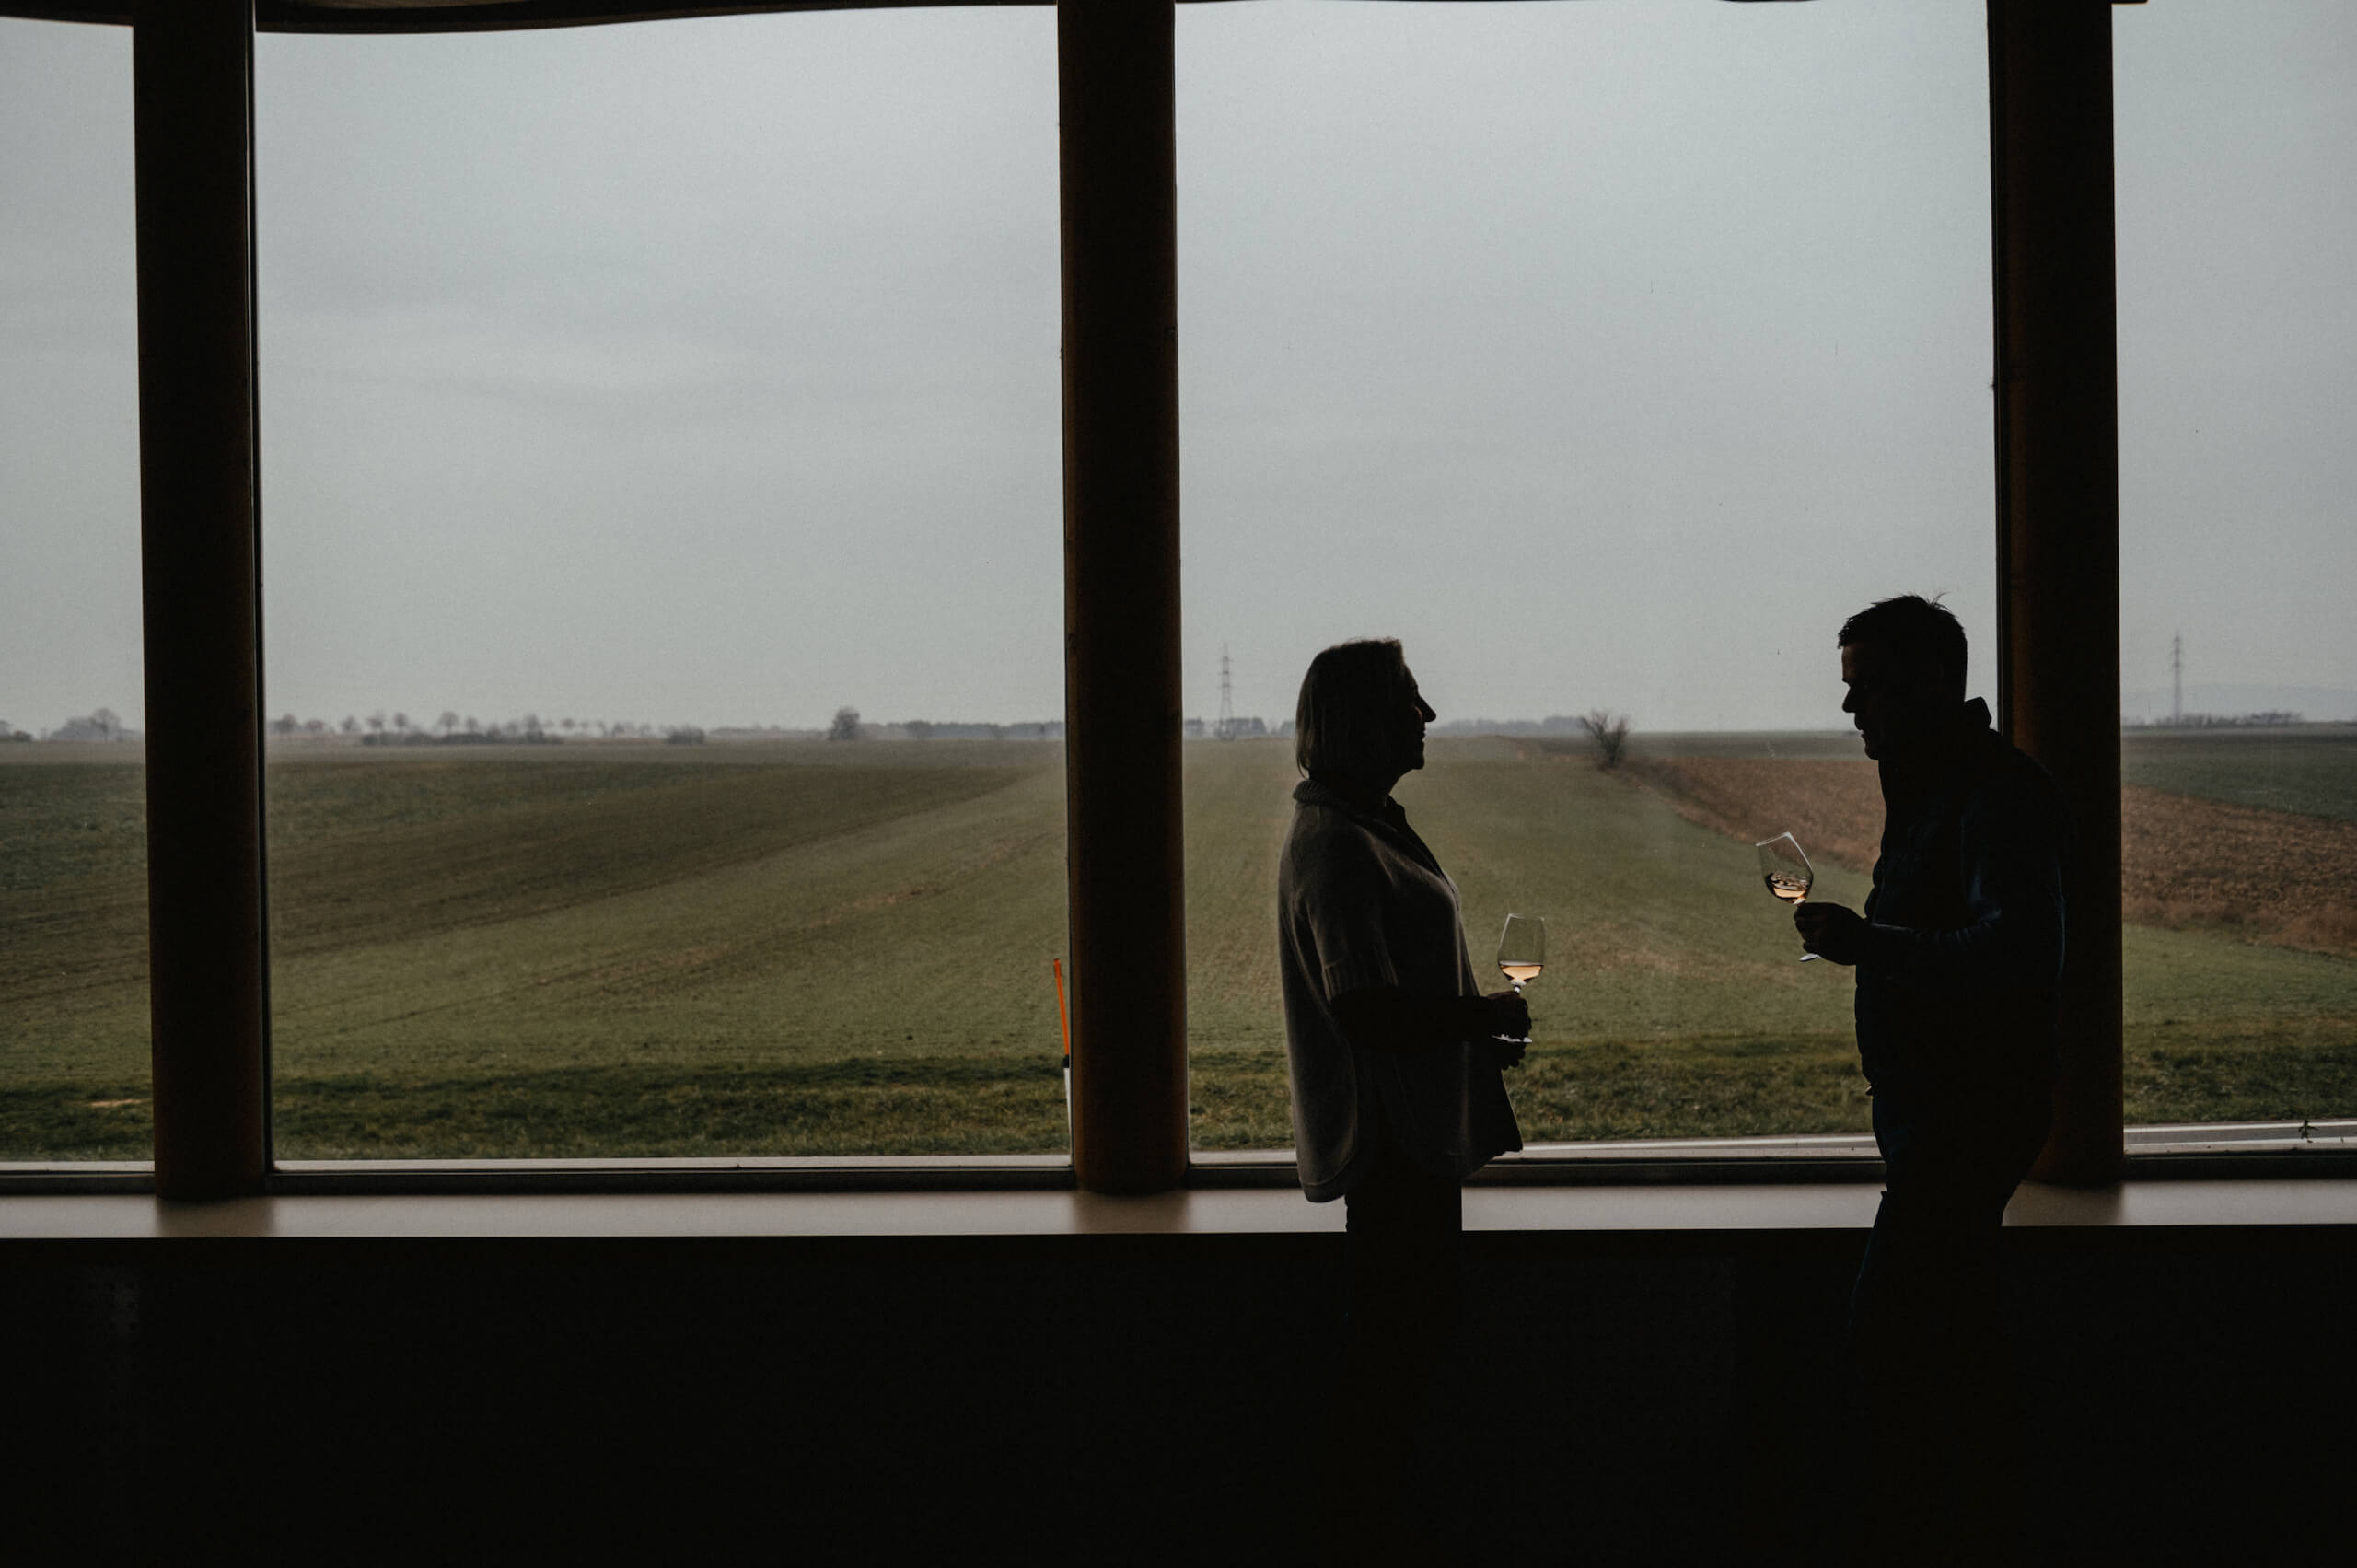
(1608, 352)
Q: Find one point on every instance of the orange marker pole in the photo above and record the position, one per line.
(1063, 1018)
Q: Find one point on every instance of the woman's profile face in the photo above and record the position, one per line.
(1411, 716)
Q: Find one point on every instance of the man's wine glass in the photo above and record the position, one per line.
(1787, 872)
(1522, 952)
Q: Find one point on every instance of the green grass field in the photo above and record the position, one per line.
(804, 948)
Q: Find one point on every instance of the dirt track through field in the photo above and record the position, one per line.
(2186, 862)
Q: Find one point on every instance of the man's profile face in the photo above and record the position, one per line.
(1892, 705)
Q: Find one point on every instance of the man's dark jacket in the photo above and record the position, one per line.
(1963, 951)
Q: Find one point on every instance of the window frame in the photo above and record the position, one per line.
(2056, 457)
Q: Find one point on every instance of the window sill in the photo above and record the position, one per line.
(2205, 1153)
(1624, 1209)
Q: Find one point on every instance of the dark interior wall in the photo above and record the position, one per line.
(1621, 1397)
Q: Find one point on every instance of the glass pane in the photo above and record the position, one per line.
(642, 401)
(2237, 363)
(74, 1038)
(1610, 356)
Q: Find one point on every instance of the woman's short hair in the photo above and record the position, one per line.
(1348, 709)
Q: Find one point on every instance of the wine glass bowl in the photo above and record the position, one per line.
(1522, 949)
(1784, 868)
(1522, 953)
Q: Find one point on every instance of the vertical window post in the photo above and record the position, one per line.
(192, 70)
(1127, 897)
(2058, 504)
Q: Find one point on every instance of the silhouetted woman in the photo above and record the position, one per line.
(1394, 1054)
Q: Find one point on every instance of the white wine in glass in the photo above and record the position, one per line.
(1522, 953)
(1786, 871)
(1522, 949)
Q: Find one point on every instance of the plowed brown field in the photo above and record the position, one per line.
(2185, 860)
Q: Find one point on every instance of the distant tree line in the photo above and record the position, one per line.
(848, 726)
(451, 728)
(98, 723)
(2272, 719)
(383, 728)
(1238, 729)
(1553, 723)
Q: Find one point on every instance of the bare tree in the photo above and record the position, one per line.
(377, 722)
(448, 722)
(350, 725)
(845, 726)
(1609, 731)
(401, 723)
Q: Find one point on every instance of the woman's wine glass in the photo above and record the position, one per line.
(1522, 952)
(1522, 948)
(1786, 871)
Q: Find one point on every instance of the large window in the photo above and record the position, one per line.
(1609, 356)
(660, 441)
(73, 1036)
(2237, 363)
(661, 468)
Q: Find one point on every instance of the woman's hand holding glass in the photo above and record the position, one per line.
(1522, 953)
(1506, 1020)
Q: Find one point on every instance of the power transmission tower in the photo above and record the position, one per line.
(1225, 729)
(2177, 680)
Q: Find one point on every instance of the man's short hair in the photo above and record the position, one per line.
(1921, 632)
(1349, 707)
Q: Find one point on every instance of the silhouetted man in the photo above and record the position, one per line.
(1959, 956)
